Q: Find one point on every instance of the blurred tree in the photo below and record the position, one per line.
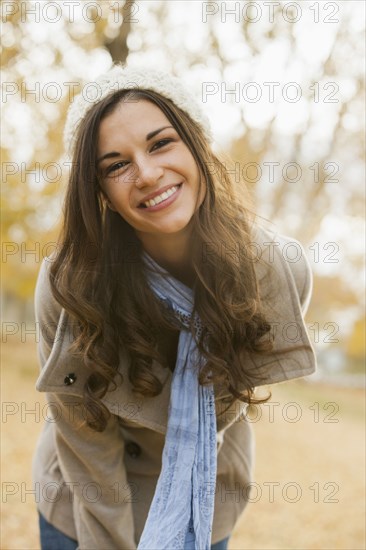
(356, 345)
(34, 171)
(315, 178)
(117, 46)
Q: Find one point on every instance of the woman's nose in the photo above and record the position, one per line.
(148, 172)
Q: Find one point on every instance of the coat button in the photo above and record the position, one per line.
(133, 449)
(69, 379)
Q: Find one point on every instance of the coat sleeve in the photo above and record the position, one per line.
(285, 283)
(300, 269)
(91, 463)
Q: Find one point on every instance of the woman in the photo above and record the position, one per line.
(164, 307)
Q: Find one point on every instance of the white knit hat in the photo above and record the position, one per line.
(121, 77)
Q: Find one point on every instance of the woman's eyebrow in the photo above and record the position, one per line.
(149, 136)
(155, 132)
(111, 155)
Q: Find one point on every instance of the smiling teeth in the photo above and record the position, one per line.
(162, 197)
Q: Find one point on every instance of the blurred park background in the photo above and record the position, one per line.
(283, 86)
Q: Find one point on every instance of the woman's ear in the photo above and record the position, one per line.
(107, 202)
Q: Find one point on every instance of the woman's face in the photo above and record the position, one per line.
(148, 174)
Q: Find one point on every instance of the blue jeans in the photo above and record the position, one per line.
(53, 539)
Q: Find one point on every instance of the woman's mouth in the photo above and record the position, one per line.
(163, 200)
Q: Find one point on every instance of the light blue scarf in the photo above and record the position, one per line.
(181, 512)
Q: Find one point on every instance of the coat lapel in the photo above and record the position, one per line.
(61, 368)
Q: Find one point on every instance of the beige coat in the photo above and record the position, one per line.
(97, 487)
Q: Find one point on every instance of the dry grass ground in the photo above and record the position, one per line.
(309, 490)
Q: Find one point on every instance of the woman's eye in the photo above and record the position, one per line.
(161, 143)
(116, 167)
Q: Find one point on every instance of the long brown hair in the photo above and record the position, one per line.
(98, 275)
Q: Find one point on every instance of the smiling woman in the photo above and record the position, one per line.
(149, 176)
(156, 316)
